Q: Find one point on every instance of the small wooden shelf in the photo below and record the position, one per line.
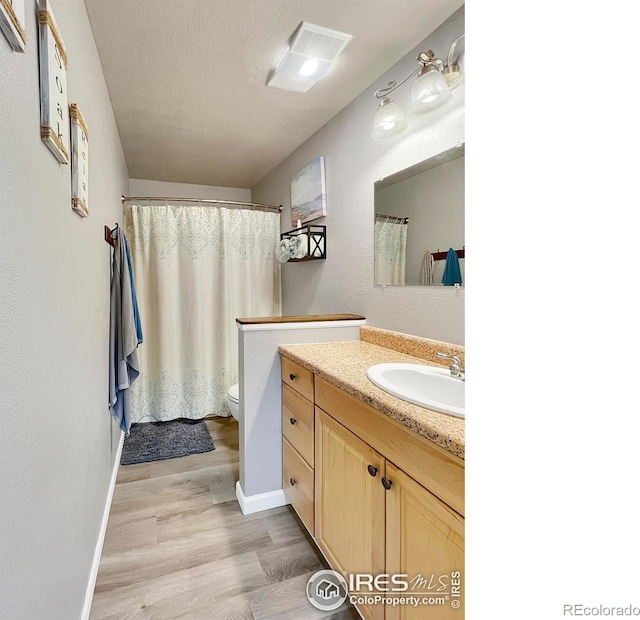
(298, 318)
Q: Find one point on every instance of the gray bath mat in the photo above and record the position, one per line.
(157, 441)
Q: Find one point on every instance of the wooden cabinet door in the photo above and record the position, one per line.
(350, 502)
(425, 541)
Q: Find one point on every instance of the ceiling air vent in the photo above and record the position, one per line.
(319, 42)
(309, 55)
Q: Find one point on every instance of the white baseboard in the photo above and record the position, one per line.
(261, 501)
(93, 576)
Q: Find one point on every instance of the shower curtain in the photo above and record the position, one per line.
(390, 256)
(197, 269)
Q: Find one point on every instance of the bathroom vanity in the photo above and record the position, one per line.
(378, 482)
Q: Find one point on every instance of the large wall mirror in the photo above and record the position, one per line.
(419, 223)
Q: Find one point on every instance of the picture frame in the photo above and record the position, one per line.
(79, 162)
(54, 106)
(308, 193)
(12, 23)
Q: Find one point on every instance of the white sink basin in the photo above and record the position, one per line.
(427, 386)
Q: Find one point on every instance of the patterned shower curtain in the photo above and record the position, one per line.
(390, 253)
(197, 269)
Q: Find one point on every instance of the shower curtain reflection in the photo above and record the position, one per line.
(390, 252)
(197, 269)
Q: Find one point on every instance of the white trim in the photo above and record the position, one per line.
(274, 327)
(261, 501)
(93, 576)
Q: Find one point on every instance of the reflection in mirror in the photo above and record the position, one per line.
(419, 217)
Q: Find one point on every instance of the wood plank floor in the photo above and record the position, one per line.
(178, 546)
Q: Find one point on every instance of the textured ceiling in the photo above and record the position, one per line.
(187, 77)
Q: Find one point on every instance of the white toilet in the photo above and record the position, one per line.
(233, 400)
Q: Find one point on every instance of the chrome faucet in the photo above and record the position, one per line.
(456, 368)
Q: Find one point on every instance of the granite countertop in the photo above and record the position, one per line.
(344, 364)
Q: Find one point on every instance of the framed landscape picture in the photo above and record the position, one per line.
(308, 193)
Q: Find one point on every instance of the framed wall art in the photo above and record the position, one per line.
(12, 23)
(54, 107)
(308, 193)
(79, 162)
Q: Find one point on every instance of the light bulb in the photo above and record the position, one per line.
(452, 76)
(388, 120)
(429, 91)
(309, 67)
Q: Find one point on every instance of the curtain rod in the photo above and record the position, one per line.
(404, 220)
(252, 205)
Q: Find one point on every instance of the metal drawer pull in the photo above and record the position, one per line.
(386, 483)
(292, 376)
(373, 471)
(292, 481)
(292, 420)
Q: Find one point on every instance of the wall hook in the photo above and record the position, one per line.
(111, 235)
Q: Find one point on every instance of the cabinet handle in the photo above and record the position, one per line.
(292, 420)
(292, 481)
(386, 483)
(291, 376)
(373, 471)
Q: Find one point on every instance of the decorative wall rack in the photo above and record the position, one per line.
(443, 255)
(309, 242)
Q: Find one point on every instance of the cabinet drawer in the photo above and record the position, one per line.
(297, 481)
(298, 377)
(298, 422)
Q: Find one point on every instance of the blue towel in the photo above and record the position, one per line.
(451, 273)
(136, 312)
(123, 338)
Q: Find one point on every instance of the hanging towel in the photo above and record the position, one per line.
(451, 273)
(427, 269)
(123, 337)
(136, 312)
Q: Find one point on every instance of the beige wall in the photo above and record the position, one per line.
(142, 187)
(353, 162)
(58, 441)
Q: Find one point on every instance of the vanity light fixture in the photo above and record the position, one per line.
(432, 88)
(310, 53)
